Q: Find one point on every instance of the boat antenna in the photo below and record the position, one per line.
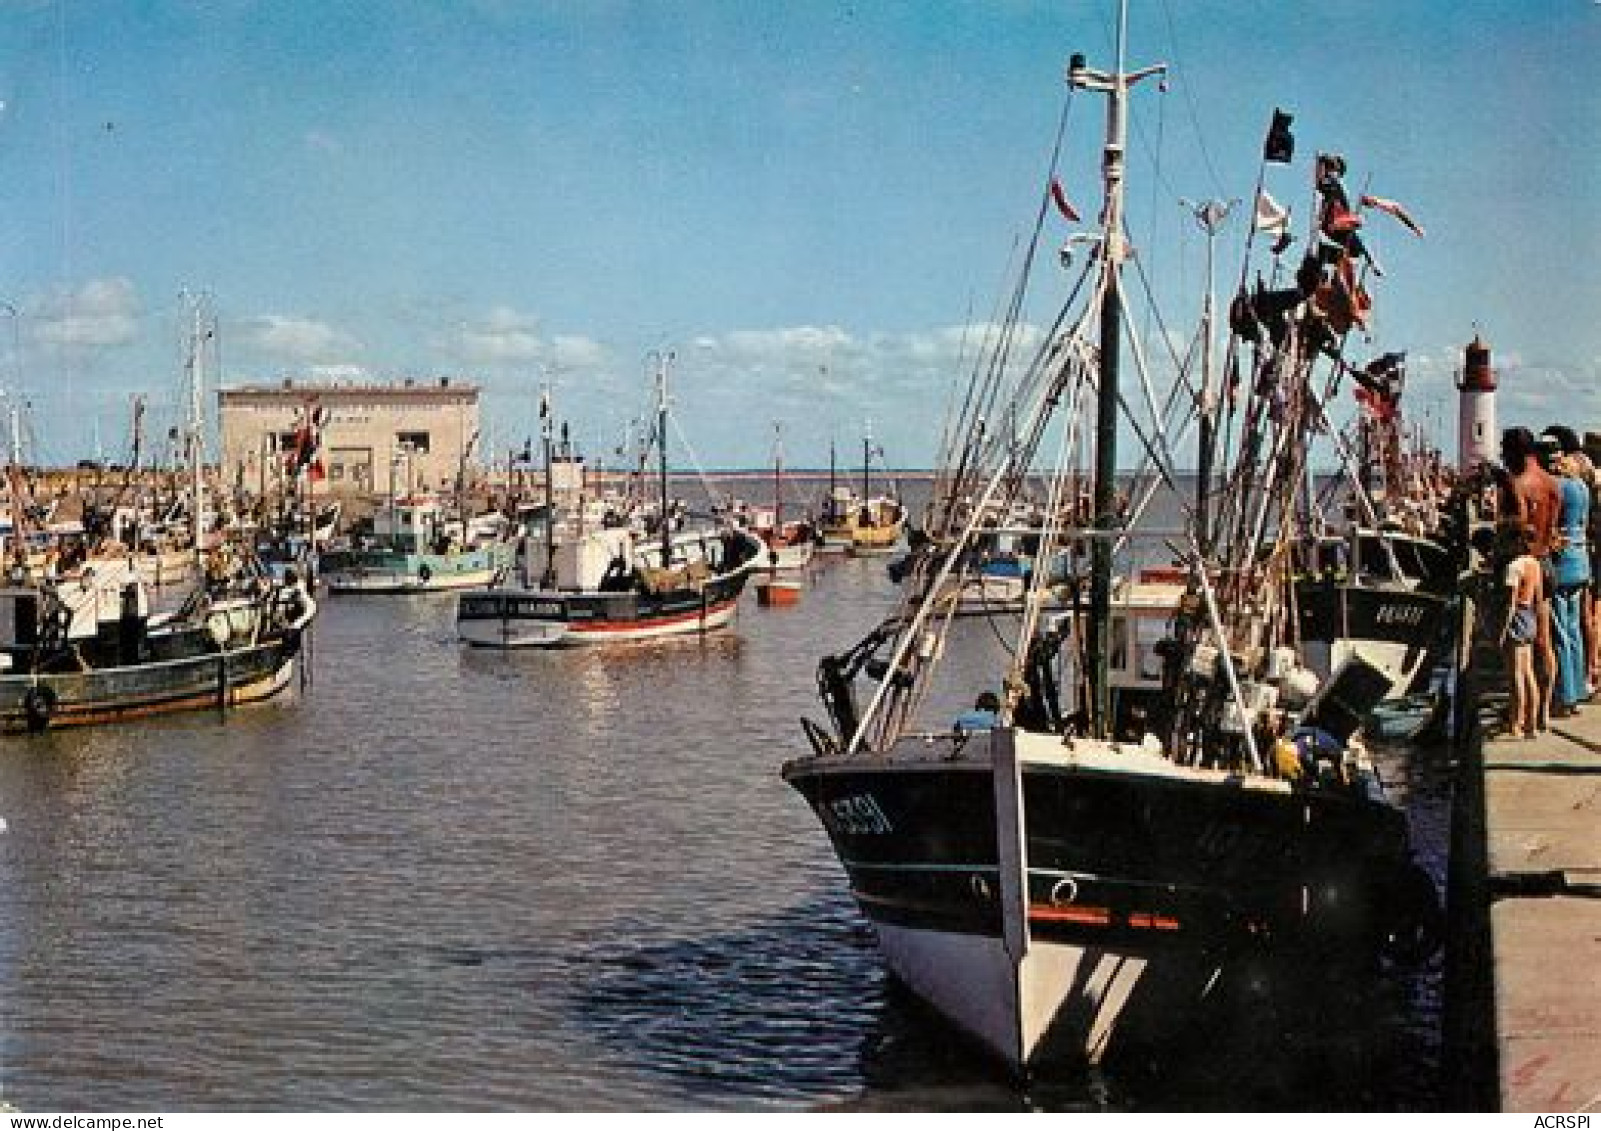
(1115, 85)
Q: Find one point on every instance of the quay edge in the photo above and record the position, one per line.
(1522, 1015)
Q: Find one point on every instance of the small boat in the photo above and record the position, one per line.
(877, 526)
(778, 592)
(788, 546)
(861, 524)
(413, 549)
(615, 583)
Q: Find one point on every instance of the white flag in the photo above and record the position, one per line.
(1271, 216)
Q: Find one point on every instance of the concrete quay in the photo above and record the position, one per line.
(1524, 967)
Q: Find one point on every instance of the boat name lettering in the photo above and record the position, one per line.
(1399, 614)
(856, 815)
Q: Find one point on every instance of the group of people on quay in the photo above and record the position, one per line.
(1548, 553)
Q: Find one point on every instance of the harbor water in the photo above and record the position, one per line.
(436, 878)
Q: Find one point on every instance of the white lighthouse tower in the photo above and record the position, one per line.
(1476, 435)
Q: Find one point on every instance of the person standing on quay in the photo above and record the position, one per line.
(1592, 452)
(1570, 567)
(1517, 630)
(1530, 495)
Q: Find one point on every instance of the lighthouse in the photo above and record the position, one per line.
(1476, 435)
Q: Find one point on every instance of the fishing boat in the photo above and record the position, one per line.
(1354, 597)
(860, 523)
(1059, 890)
(88, 647)
(788, 546)
(414, 548)
(616, 583)
(1382, 589)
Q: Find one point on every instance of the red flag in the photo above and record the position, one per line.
(1394, 209)
(1063, 205)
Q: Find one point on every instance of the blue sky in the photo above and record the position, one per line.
(806, 201)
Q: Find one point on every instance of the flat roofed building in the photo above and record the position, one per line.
(405, 437)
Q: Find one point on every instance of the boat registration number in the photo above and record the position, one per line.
(858, 814)
(1411, 615)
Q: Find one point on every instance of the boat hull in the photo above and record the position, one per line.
(524, 618)
(1393, 628)
(1138, 888)
(390, 573)
(787, 557)
(107, 695)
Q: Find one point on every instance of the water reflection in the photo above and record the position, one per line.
(450, 879)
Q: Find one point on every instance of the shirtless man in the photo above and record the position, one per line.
(1531, 496)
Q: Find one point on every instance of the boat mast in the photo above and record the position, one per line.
(1210, 216)
(832, 480)
(867, 459)
(662, 361)
(548, 579)
(778, 478)
(1115, 85)
(197, 421)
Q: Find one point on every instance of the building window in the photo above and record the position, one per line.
(412, 441)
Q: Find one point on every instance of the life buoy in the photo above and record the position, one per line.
(38, 705)
(424, 574)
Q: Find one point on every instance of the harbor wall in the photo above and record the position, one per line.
(1523, 965)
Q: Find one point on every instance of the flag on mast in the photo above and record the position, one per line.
(1279, 147)
(1063, 205)
(1271, 216)
(1393, 208)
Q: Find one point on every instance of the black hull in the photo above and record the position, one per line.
(1142, 891)
(1211, 866)
(1394, 628)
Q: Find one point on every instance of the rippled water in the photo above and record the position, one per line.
(447, 879)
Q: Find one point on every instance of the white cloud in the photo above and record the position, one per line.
(340, 374)
(302, 341)
(101, 314)
(507, 337)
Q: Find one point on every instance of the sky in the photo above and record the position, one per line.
(804, 203)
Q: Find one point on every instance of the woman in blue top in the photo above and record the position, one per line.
(1570, 563)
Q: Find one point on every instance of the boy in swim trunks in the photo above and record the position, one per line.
(1518, 633)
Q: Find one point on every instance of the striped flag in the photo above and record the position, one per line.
(1393, 208)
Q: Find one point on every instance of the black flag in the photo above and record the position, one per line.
(1280, 144)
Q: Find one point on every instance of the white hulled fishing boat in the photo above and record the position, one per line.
(617, 582)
